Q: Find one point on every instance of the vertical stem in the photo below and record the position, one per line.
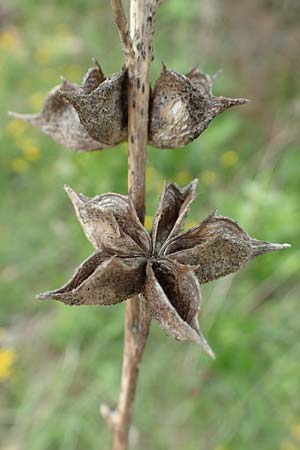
(141, 31)
(137, 319)
(138, 55)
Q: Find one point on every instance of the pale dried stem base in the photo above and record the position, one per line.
(137, 321)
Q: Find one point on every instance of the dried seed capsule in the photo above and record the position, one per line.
(166, 269)
(103, 111)
(88, 117)
(182, 107)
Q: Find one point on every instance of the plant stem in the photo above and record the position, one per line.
(137, 46)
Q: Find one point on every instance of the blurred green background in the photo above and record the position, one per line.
(57, 364)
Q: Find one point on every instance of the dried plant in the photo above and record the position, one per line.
(93, 116)
(166, 268)
(182, 107)
(159, 273)
(88, 117)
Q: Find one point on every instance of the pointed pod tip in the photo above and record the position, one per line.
(64, 86)
(76, 198)
(16, 115)
(96, 64)
(216, 75)
(67, 188)
(98, 67)
(195, 70)
(213, 215)
(32, 119)
(261, 247)
(42, 296)
(164, 68)
(52, 295)
(72, 194)
(236, 101)
(227, 102)
(275, 247)
(194, 183)
(208, 350)
(244, 101)
(205, 345)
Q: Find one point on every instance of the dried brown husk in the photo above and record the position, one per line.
(182, 107)
(166, 269)
(92, 116)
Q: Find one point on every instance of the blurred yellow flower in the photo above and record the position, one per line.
(9, 39)
(148, 222)
(230, 158)
(183, 177)
(208, 177)
(30, 150)
(19, 165)
(288, 445)
(41, 55)
(7, 359)
(36, 100)
(295, 430)
(16, 128)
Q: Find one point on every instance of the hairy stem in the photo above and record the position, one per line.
(137, 47)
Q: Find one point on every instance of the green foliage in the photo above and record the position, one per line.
(63, 362)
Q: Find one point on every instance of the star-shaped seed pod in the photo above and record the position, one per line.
(182, 107)
(88, 117)
(166, 267)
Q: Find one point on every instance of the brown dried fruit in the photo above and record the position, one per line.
(103, 111)
(88, 117)
(182, 107)
(94, 115)
(166, 269)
